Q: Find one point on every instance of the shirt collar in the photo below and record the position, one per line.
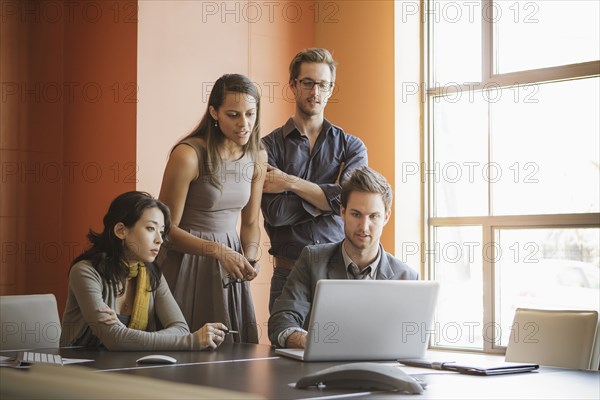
(373, 265)
(290, 127)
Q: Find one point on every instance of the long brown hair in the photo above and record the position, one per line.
(212, 135)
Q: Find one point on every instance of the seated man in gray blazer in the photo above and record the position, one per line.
(366, 201)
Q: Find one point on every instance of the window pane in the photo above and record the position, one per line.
(545, 148)
(460, 155)
(457, 37)
(458, 268)
(547, 269)
(547, 33)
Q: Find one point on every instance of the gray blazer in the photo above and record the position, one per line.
(292, 308)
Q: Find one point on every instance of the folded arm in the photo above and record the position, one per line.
(278, 181)
(284, 209)
(311, 199)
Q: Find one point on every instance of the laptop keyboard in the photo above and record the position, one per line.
(34, 357)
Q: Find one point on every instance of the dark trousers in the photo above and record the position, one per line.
(277, 283)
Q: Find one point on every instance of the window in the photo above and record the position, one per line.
(511, 165)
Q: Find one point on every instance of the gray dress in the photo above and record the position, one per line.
(212, 213)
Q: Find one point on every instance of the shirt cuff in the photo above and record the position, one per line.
(283, 336)
(312, 210)
(333, 194)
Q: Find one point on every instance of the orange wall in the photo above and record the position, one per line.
(152, 75)
(68, 131)
(361, 36)
(274, 41)
(179, 58)
(99, 128)
(30, 150)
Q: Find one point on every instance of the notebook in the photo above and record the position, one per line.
(472, 368)
(368, 320)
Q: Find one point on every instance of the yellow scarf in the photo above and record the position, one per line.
(141, 302)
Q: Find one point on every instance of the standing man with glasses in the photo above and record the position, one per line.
(308, 157)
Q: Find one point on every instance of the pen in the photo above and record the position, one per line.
(227, 331)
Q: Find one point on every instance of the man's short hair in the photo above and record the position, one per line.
(365, 179)
(312, 55)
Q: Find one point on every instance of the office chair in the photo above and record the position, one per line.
(560, 338)
(29, 322)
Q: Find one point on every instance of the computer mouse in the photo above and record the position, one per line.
(363, 375)
(156, 359)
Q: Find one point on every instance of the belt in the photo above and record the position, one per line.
(285, 263)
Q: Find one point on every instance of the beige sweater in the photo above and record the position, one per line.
(88, 292)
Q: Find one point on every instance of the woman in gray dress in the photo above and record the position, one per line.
(214, 175)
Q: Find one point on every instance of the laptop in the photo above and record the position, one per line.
(368, 320)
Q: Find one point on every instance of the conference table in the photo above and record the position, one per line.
(258, 370)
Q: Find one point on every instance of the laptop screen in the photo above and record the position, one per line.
(370, 320)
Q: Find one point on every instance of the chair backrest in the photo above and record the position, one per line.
(29, 322)
(560, 338)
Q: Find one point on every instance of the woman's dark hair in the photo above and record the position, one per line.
(212, 135)
(107, 253)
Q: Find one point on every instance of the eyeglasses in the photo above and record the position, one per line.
(228, 282)
(309, 84)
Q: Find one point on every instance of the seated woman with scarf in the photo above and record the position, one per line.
(117, 297)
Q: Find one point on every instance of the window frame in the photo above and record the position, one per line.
(489, 223)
